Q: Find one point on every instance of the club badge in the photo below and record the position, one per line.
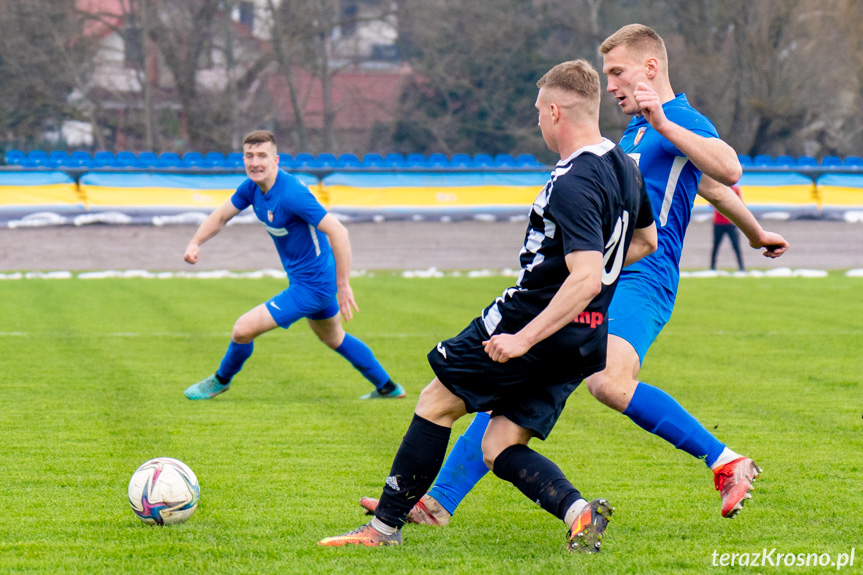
(270, 215)
(639, 135)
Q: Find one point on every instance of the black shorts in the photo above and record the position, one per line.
(529, 392)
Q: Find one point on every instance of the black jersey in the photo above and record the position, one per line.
(593, 201)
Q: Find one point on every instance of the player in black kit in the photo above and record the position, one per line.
(534, 344)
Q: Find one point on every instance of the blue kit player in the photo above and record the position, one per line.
(674, 145)
(318, 274)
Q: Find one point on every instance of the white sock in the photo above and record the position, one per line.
(382, 527)
(574, 511)
(726, 456)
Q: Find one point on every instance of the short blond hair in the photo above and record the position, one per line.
(638, 38)
(576, 76)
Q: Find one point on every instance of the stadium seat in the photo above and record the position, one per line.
(82, 159)
(369, 160)
(438, 161)
(286, 161)
(744, 159)
(806, 161)
(394, 160)
(169, 160)
(234, 160)
(58, 159)
(214, 160)
(854, 161)
(524, 160)
(15, 157)
(483, 160)
(461, 161)
(36, 159)
(304, 160)
(504, 161)
(192, 160)
(124, 160)
(327, 160)
(785, 161)
(144, 159)
(348, 161)
(416, 161)
(101, 159)
(831, 161)
(763, 160)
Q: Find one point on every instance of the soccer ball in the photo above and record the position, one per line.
(164, 491)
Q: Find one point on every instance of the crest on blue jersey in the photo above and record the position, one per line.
(639, 135)
(270, 215)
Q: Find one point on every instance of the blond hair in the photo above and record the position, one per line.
(577, 77)
(640, 39)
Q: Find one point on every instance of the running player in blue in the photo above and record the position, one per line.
(318, 274)
(674, 145)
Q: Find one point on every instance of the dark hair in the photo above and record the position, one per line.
(259, 137)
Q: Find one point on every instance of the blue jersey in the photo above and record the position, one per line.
(290, 213)
(672, 184)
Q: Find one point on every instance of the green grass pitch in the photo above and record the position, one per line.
(92, 374)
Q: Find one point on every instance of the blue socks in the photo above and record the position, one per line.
(463, 467)
(657, 412)
(363, 360)
(233, 361)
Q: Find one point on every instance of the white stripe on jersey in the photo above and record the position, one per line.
(315, 240)
(676, 168)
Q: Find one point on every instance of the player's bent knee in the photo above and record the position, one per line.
(615, 392)
(438, 405)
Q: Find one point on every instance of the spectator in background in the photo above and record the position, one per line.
(722, 227)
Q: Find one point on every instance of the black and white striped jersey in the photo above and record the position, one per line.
(593, 201)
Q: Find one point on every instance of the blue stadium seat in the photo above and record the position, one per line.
(416, 161)
(806, 161)
(523, 160)
(81, 159)
(763, 160)
(394, 160)
(102, 159)
(234, 160)
(58, 159)
(854, 161)
(36, 159)
(286, 161)
(461, 161)
(438, 161)
(214, 160)
(483, 160)
(192, 160)
(348, 161)
(169, 160)
(369, 160)
(15, 157)
(744, 159)
(785, 160)
(327, 160)
(831, 161)
(125, 160)
(304, 160)
(504, 161)
(145, 159)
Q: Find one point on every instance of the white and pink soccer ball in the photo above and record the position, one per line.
(164, 491)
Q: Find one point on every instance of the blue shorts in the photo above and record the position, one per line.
(639, 310)
(298, 302)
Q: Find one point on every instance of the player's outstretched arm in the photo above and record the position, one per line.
(712, 156)
(644, 242)
(341, 245)
(582, 285)
(209, 228)
(732, 207)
